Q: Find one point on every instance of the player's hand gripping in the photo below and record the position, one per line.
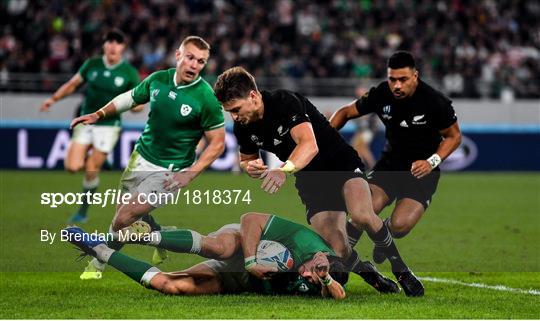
(273, 180)
(321, 266)
(420, 168)
(179, 180)
(85, 119)
(256, 168)
(261, 271)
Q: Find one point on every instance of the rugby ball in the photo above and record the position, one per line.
(271, 253)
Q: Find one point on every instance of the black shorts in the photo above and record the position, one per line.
(395, 178)
(323, 190)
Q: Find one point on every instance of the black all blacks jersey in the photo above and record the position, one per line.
(284, 110)
(412, 124)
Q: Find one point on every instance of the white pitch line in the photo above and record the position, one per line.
(482, 286)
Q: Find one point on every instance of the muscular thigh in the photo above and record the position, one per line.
(330, 225)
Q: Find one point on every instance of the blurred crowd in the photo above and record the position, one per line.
(469, 48)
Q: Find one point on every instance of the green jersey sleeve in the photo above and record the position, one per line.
(83, 70)
(141, 93)
(300, 240)
(212, 113)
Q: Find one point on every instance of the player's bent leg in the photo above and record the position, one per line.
(75, 156)
(330, 225)
(223, 243)
(197, 280)
(405, 216)
(130, 212)
(379, 198)
(358, 201)
(90, 184)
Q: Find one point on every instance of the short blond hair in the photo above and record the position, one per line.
(197, 41)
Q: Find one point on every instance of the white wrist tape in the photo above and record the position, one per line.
(123, 102)
(434, 160)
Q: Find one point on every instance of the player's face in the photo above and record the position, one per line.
(245, 110)
(190, 60)
(402, 82)
(113, 51)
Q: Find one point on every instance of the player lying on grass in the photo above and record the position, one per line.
(232, 267)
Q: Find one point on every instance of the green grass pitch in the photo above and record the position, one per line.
(481, 228)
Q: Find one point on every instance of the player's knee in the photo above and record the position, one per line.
(400, 228)
(167, 286)
(73, 167)
(362, 218)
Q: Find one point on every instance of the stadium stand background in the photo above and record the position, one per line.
(484, 54)
(467, 48)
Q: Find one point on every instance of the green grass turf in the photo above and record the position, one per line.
(481, 227)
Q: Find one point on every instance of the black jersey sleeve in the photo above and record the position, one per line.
(245, 143)
(295, 111)
(444, 116)
(366, 104)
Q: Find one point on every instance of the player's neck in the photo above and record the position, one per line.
(110, 63)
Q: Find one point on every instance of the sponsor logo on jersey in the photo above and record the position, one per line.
(282, 132)
(93, 75)
(417, 120)
(172, 95)
(154, 94)
(386, 112)
(255, 139)
(184, 109)
(303, 288)
(118, 81)
(403, 124)
(277, 142)
(107, 73)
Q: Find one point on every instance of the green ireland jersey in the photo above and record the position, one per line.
(179, 115)
(300, 240)
(104, 82)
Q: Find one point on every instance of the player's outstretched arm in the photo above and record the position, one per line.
(65, 90)
(118, 105)
(215, 139)
(251, 228)
(343, 114)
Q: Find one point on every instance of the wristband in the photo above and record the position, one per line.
(288, 167)
(250, 261)
(434, 160)
(327, 281)
(102, 115)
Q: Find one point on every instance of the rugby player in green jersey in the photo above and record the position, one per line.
(232, 267)
(106, 77)
(183, 109)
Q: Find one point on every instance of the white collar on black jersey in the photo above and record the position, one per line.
(185, 86)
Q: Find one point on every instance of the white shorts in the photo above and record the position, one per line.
(143, 177)
(102, 138)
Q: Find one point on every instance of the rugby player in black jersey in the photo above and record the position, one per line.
(328, 171)
(421, 131)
